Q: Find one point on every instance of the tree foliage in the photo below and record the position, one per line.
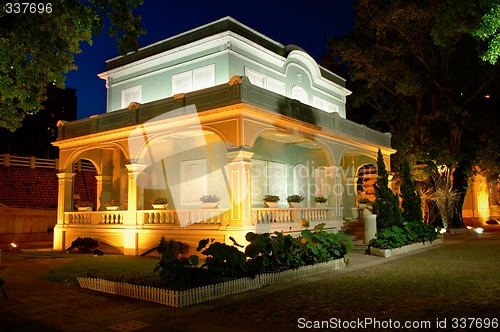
(419, 75)
(386, 204)
(489, 30)
(38, 49)
(411, 201)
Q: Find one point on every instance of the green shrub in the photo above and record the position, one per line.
(265, 253)
(84, 244)
(408, 233)
(411, 201)
(386, 204)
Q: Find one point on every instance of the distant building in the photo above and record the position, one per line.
(38, 131)
(218, 110)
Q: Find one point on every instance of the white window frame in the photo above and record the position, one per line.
(132, 94)
(256, 78)
(324, 105)
(275, 85)
(204, 77)
(182, 82)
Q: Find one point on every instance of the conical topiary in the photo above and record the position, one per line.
(386, 204)
(411, 201)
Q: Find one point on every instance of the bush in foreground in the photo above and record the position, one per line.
(265, 253)
(398, 236)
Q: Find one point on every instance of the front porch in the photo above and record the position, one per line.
(139, 232)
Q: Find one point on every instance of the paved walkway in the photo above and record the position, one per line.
(37, 305)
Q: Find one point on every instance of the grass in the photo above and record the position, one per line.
(115, 266)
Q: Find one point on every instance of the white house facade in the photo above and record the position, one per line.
(218, 110)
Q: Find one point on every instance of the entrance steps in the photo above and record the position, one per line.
(356, 231)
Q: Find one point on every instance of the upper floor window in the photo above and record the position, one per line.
(129, 95)
(265, 82)
(324, 105)
(193, 80)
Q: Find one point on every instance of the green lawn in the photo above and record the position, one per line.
(116, 266)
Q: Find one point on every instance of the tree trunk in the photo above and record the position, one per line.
(459, 185)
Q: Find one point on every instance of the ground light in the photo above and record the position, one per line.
(479, 230)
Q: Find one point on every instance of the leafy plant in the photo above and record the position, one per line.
(364, 200)
(176, 271)
(159, 200)
(223, 262)
(112, 203)
(84, 204)
(320, 199)
(210, 198)
(294, 199)
(84, 244)
(271, 198)
(408, 233)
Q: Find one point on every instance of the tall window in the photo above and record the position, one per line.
(268, 178)
(193, 181)
(129, 95)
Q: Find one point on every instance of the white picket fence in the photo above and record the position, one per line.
(179, 299)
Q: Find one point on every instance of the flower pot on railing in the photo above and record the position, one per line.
(209, 201)
(209, 205)
(112, 208)
(160, 206)
(271, 201)
(295, 204)
(84, 208)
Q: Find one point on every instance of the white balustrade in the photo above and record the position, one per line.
(284, 215)
(95, 217)
(184, 217)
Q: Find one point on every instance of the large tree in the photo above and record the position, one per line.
(417, 73)
(38, 44)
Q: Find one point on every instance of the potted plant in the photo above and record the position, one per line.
(209, 201)
(160, 203)
(112, 205)
(365, 208)
(295, 200)
(320, 200)
(271, 200)
(84, 205)
(364, 201)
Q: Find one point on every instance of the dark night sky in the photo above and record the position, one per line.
(307, 24)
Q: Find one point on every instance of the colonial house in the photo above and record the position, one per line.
(218, 110)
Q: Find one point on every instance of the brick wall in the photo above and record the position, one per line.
(37, 187)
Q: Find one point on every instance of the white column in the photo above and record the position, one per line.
(64, 204)
(135, 191)
(239, 167)
(135, 201)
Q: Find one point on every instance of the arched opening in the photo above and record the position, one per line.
(366, 177)
(85, 184)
